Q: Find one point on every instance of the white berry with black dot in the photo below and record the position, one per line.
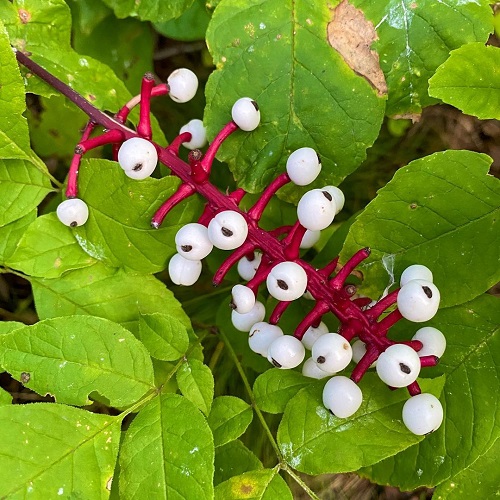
(342, 396)
(422, 414)
(310, 239)
(138, 158)
(246, 114)
(312, 334)
(433, 341)
(418, 300)
(244, 322)
(287, 281)
(183, 271)
(316, 209)
(416, 272)
(286, 352)
(243, 299)
(183, 84)
(261, 336)
(247, 268)
(310, 369)
(73, 212)
(398, 365)
(332, 352)
(192, 241)
(303, 166)
(198, 134)
(228, 230)
(338, 197)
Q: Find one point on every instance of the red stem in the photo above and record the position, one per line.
(338, 281)
(174, 146)
(280, 308)
(109, 137)
(371, 355)
(426, 361)
(330, 268)
(256, 211)
(184, 191)
(414, 389)
(311, 318)
(208, 159)
(233, 259)
(390, 320)
(376, 310)
(293, 240)
(144, 125)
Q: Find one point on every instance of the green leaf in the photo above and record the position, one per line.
(229, 418)
(149, 10)
(11, 233)
(52, 451)
(375, 432)
(48, 249)
(102, 291)
(5, 398)
(470, 80)
(9, 326)
(167, 452)
(277, 53)
(163, 335)
(87, 14)
(265, 484)
(118, 230)
(73, 356)
(470, 400)
(233, 459)
(196, 382)
(274, 388)
(416, 37)
(439, 211)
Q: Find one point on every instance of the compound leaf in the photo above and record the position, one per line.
(196, 382)
(167, 452)
(229, 417)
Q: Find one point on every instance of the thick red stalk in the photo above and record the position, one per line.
(144, 125)
(280, 308)
(184, 191)
(257, 210)
(293, 240)
(233, 259)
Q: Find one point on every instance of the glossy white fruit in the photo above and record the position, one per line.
(338, 197)
(303, 166)
(358, 351)
(332, 352)
(73, 212)
(342, 396)
(244, 322)
(310, 369)
(192, 241)
(183, 85)
(316, 209)
(246, 114)
(183, 271)
(243, 299)
(418, 300)
(287, 281)
(398, 365)
(138, 158)
(422, 414)
(286, 352)
(248, 268)
(434, 342)
(198, 134)
(310, 239)
(261, 336)
(416, 272)
(312, 334)
(228, 230)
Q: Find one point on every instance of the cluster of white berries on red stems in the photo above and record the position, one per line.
(273, 256)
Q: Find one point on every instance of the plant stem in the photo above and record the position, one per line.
(300, 482)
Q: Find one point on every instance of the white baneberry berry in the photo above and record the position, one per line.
(316, 209)
(433, 341)
(244, 322)
(342, 396)
(261, 336)
(183, 271)
(418, 300)
(198, 134)
(192, 241)
(287, 281)
(183, 84)
(248, 268)
(138, 158)
(332, 352)
(416, 272)
(286, 352)
(338, 197)
(398, 365)
(73, 212)
(228, 230)
(303, 166)
(243, 299)
(310, 369)
(422, 414)
(358, 351)
(246, 114)
(310, 238)
(312, 334)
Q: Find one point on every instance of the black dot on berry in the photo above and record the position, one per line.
(331, 412)
(137, 167)
(73, 224)
(319, 158)
(282, 284)
(255, 105)
(232, 305)
(404, 368)
(427, 291)
(320, 360)
(226, 232)
(327, 195)
(186, 248)
(275, 363)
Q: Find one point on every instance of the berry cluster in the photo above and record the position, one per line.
(273, 256)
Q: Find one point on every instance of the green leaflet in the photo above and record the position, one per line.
(149, 10)
(233, 459)
(11, 233)
(229, 417)
(196, 383)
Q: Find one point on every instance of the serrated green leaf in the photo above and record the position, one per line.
(416, 37)
(196, 382)
(73, 356)
(277, 53)
(149, 10)
(470, 80)
(373, 433)
(229, 417)
(167, 452)
(163, 335)
(118, 231)
(10, 234)
(56, 451)
(87, 14)
(101, 291)
(470, 400)
(265, 484)
(439, 211)
(5, 398)
(274, 388)
(48, 249)
(233, 459)
(9, 326)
